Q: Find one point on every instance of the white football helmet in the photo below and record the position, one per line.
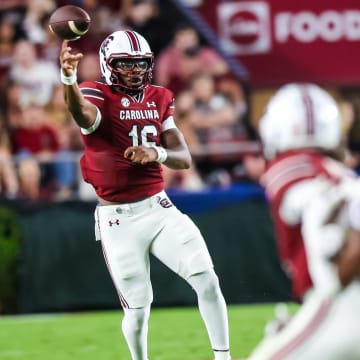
(119, 52)
(300, 116)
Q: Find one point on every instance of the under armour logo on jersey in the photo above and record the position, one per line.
(116, 222)
(149, 104)
(165, 203)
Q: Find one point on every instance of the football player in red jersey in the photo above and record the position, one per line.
(129, 131)
(315, 203)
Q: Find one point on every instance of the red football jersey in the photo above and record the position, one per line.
(125, 121)
(281, 174)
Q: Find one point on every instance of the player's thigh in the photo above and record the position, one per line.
(327, 343)
(126, 253)
(181, 246)
(338, 337)
(322, 329)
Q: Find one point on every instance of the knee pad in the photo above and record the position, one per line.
(135, 318)
(205, 284)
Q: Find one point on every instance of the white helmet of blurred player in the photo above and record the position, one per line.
(126, 60)
(300, 116)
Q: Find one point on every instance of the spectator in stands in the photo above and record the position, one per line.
(189, 180)
(49, 48)
(8, 37)
(184, 58)
(219, 110)
(37, 30)
(232, 89)
(8, 5)
(215, 122)
(144, 16)
(12, 105)
(210, 117)
(59, 119)
(9, 184)
(36, 78)
(89, 67)
(251, 165)
(29, 173)
(34, 139)
(35, 19)
(57, 116)
(14, 10)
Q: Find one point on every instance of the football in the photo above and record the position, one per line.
(69, 22)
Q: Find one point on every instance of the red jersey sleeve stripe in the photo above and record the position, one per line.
(287, 177)
(95, 93)
(287, 171)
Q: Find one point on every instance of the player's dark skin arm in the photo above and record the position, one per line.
(82, 110)
(348, 259)
(178, 152)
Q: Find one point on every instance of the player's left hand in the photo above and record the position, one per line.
(140, 154)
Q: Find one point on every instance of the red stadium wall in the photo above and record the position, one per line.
(281, 41)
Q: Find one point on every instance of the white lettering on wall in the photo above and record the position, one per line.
(306, 26)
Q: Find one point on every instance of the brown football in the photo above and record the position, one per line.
(69, 22)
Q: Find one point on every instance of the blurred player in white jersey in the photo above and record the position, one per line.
(315, 203)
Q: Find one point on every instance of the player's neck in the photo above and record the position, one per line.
(130, 92)
(136, 95)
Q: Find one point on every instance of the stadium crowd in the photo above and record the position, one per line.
(40, 145)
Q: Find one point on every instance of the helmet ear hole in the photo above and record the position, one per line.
(112, 62)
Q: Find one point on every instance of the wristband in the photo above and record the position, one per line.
(68, 80)
(162, 154)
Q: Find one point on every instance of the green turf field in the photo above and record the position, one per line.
(174, 334)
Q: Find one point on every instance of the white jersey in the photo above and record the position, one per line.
(327, 326)
(324, 328)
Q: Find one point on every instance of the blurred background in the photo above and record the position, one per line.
(223, 60)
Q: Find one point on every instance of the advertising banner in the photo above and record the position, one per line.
(278, 41)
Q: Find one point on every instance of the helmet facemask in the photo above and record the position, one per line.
(132, 73)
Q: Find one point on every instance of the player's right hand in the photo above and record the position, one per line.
(140, 154)
(68, 61)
